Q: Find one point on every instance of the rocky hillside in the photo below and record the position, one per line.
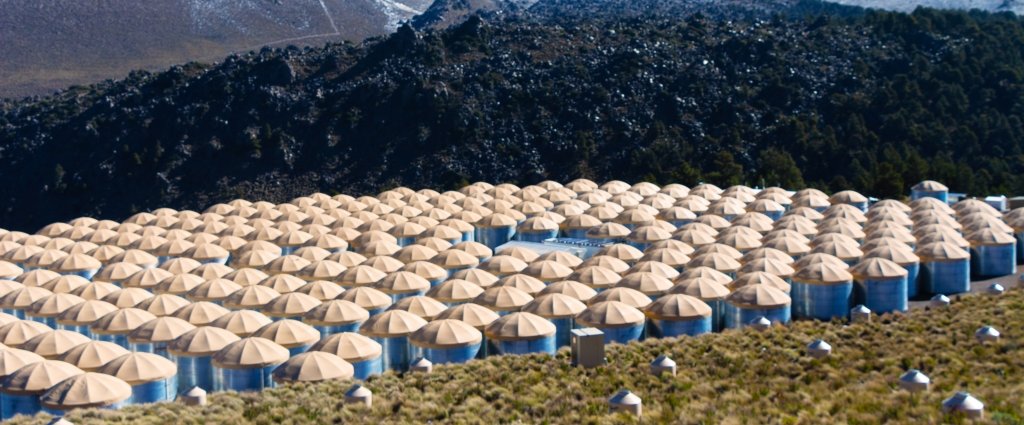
(51, 44)
(874, 101)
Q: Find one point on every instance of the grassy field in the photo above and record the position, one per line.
(734, 377)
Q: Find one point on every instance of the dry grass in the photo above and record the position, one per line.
(730, 378)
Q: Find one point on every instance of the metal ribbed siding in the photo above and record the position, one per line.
(397, 353)
(862, 206)
(298, 349)
(622, 334)
(1020, 247)
(993, 260)
(822, 302)
(638, 245)
(913, 280)
(405, 240)
(195, 371)
(451, 355)
(288, 250)
(19, 404)
(251, 379)
(602, 241)
(155, 391)
(539, 345)
(738, 317)
(326, 331)
(395, 298)
(576, 233)
(680, 223)
(673, 328)
(494, 237)
(367, 368)
(87, 274)
(119, 339)
(717, 314)
(160, 348)
(946, 277)
(940, 195)
(882, 295)
(16, 312)
(469, 236)
(82, 329)
(222, 260)
(48, 321)
(774, 215)
(536, 235)
(563, 329)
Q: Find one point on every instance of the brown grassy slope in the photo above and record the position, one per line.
(734, 377)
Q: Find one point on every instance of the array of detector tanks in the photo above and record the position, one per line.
(247, 295)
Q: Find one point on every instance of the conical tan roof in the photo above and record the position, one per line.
(402, 282)
(36, 378)
(445, 333)
(717, 261)
(755, 296)
(200, 313)
(336, 312)
(769, 265)
(900, 255)
(121, 321)
(85, 313)
(350, 346)
(52, 344)
(163, 304)
(678, 306)
(16, 334)
(548, 270)
(455, 290)
(877, 268)
(990, 237)
(290, 304)
(86, 390)
(503, 298)
(65, 284)
(572, 288)
(242, 322)
(95, 290)
(610, 314)
(252, 297)
(941, 251)
(92, 355)
(313, 366)
(202, 341)
(12, 359)
(53, 305)
(704, 288)
(760, 278)
(146, 279)
(629, 296)
(555, 306)
(77, 262)
(367, 298)
(289, 333)
(930, 186)
(520, 326)
(475, 315)
(392, 323)
(251, 352)
(161, 329)
(529, 284)
(650, 284)
(140, 368)
(823, 273)
(424, 307)
(596, 276)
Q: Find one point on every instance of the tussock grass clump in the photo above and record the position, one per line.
(734, 377)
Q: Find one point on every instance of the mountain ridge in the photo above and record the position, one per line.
(872, 101)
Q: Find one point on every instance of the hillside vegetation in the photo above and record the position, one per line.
(740, 376)
(873, 102)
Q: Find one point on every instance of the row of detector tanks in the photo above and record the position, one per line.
(223, 299)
